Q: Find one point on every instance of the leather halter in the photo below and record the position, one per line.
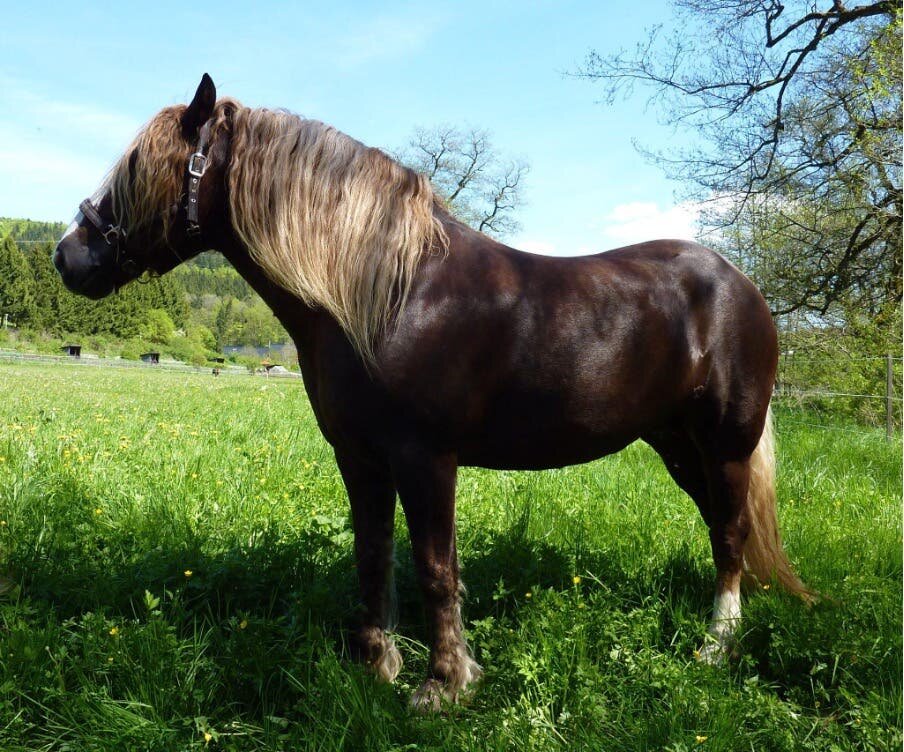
(115, 236)
(197, 164)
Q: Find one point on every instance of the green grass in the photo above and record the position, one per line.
(184, 580)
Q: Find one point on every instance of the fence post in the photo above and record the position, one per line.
(889, 389)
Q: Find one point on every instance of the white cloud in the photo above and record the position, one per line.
(638, 221)
(624, 224)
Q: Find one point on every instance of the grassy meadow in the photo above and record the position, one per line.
(182, 578)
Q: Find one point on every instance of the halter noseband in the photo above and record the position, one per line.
(115, 236)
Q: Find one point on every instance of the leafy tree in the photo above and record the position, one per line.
(222, 322)
(260, 326)
(203, 336)
(480, 185)
(16, 289)
(158, 326)
(46, 286)
(795, 110)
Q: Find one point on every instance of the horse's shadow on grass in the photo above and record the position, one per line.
(303, 592)
(310, 574)
(310, 578)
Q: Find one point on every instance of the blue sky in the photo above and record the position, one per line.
(77, 80)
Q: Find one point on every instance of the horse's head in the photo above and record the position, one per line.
(149, 214)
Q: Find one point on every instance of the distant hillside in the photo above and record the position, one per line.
(205, 298)
(207, 274)
(30, 231)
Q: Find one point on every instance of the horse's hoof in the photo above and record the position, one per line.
(715, 652)
(431, 696)
(434, 695)
(387, 666)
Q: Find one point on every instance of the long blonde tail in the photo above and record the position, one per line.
(764, 556)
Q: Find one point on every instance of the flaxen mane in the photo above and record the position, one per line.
(339, 224)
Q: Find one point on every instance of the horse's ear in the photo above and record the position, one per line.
(201, 107)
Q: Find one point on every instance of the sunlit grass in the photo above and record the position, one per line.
(183, 578)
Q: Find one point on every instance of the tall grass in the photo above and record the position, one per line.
(182, 578)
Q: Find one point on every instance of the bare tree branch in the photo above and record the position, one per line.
(479, 187)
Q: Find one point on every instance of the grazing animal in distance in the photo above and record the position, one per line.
(426, 346)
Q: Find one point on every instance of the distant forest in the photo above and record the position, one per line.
(190, 313)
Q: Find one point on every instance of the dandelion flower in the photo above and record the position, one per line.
(114, 631)
(528, 594)
(243, 624)
(207, 737)
(700, 739)
(188, 573)
(576, 580)
(766, 586)
(98, 510)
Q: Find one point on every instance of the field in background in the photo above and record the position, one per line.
(183, 578)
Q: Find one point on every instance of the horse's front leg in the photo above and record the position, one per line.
(426, 487)
(372, 496)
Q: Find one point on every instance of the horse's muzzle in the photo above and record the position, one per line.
(81, 271)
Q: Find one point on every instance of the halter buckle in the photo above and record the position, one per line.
(112, 235)
(197, 164)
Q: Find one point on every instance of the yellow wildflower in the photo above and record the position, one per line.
(243, 624)
(114, 631)
(207, 737)
(576, 580)
(700, 739)
(98, 510)
(188, 573)
(528, 594)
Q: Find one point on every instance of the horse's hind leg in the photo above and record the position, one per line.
(729, 526)
(719, 489)
(372, 496)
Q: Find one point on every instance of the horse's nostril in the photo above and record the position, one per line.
(58, 261)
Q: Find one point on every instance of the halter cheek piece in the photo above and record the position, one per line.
(115, 236)
(197, 165)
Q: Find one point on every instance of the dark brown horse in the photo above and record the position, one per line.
(425, 345)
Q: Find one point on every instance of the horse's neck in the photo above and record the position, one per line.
(296, 317)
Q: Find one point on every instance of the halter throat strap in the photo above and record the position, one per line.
(197, 165)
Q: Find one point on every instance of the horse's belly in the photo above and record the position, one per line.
(540, 446)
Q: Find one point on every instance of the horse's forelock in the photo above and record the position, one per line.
(148, 179)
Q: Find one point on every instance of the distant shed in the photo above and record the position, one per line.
(151, 357)
(73, 351)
